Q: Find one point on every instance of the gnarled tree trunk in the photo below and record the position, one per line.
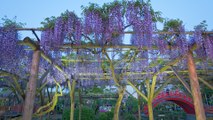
(72, 96)
(31, 87)
(118, 103)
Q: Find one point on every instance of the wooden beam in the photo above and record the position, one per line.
(27, 41)
(162, 86)
(205, 83)
(126, 32)
(137, 90)
(185, 84)
(195, 88)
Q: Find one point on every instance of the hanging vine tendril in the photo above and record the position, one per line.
(50, 106)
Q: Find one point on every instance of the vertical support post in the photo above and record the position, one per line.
(31, 87)
(195, 88)
(72, 96)
(118, 103)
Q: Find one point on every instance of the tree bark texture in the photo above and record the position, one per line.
(195, 88)
(31, 87)
(118, 103)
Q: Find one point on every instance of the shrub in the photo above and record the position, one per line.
(129, 117)
(86, 114)
(105, 116)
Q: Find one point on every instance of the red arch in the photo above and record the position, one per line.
(178, 98)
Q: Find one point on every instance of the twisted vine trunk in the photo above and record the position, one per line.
(72, 96)
(195, 88)
(150, 110)
(31, 87)
(118, 103)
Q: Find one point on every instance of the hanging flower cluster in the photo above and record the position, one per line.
(209, 46)
(92, 83)
(101, 26)
(14, 58)
(8, 42)
(161, 43)
(181, 41)
(57, 31)
(47, 38)
(93, 24)
(116, 24)
(106, 26)
(204, 44)
(139, 16)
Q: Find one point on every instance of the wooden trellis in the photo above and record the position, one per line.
(191, 69)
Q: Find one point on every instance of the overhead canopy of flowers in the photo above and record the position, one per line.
(79, 44)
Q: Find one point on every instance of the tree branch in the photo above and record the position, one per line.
(136, 89)
(181, 80)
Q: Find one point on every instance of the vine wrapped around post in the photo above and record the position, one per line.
(118, 103)
(72, 98)
(51, 105)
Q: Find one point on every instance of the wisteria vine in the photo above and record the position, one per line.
(105, 26)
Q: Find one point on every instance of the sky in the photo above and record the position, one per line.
(33, 12)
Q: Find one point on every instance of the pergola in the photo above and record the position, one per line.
(168, 68)
(96, 51)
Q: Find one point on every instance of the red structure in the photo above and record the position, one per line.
(178, 98)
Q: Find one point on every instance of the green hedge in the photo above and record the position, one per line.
(86, 114)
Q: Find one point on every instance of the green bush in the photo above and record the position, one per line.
(86, 114)
(66, 114)
(102, 116)
(129, 117)
(131, 105)
(105, 116)
(110, 114)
